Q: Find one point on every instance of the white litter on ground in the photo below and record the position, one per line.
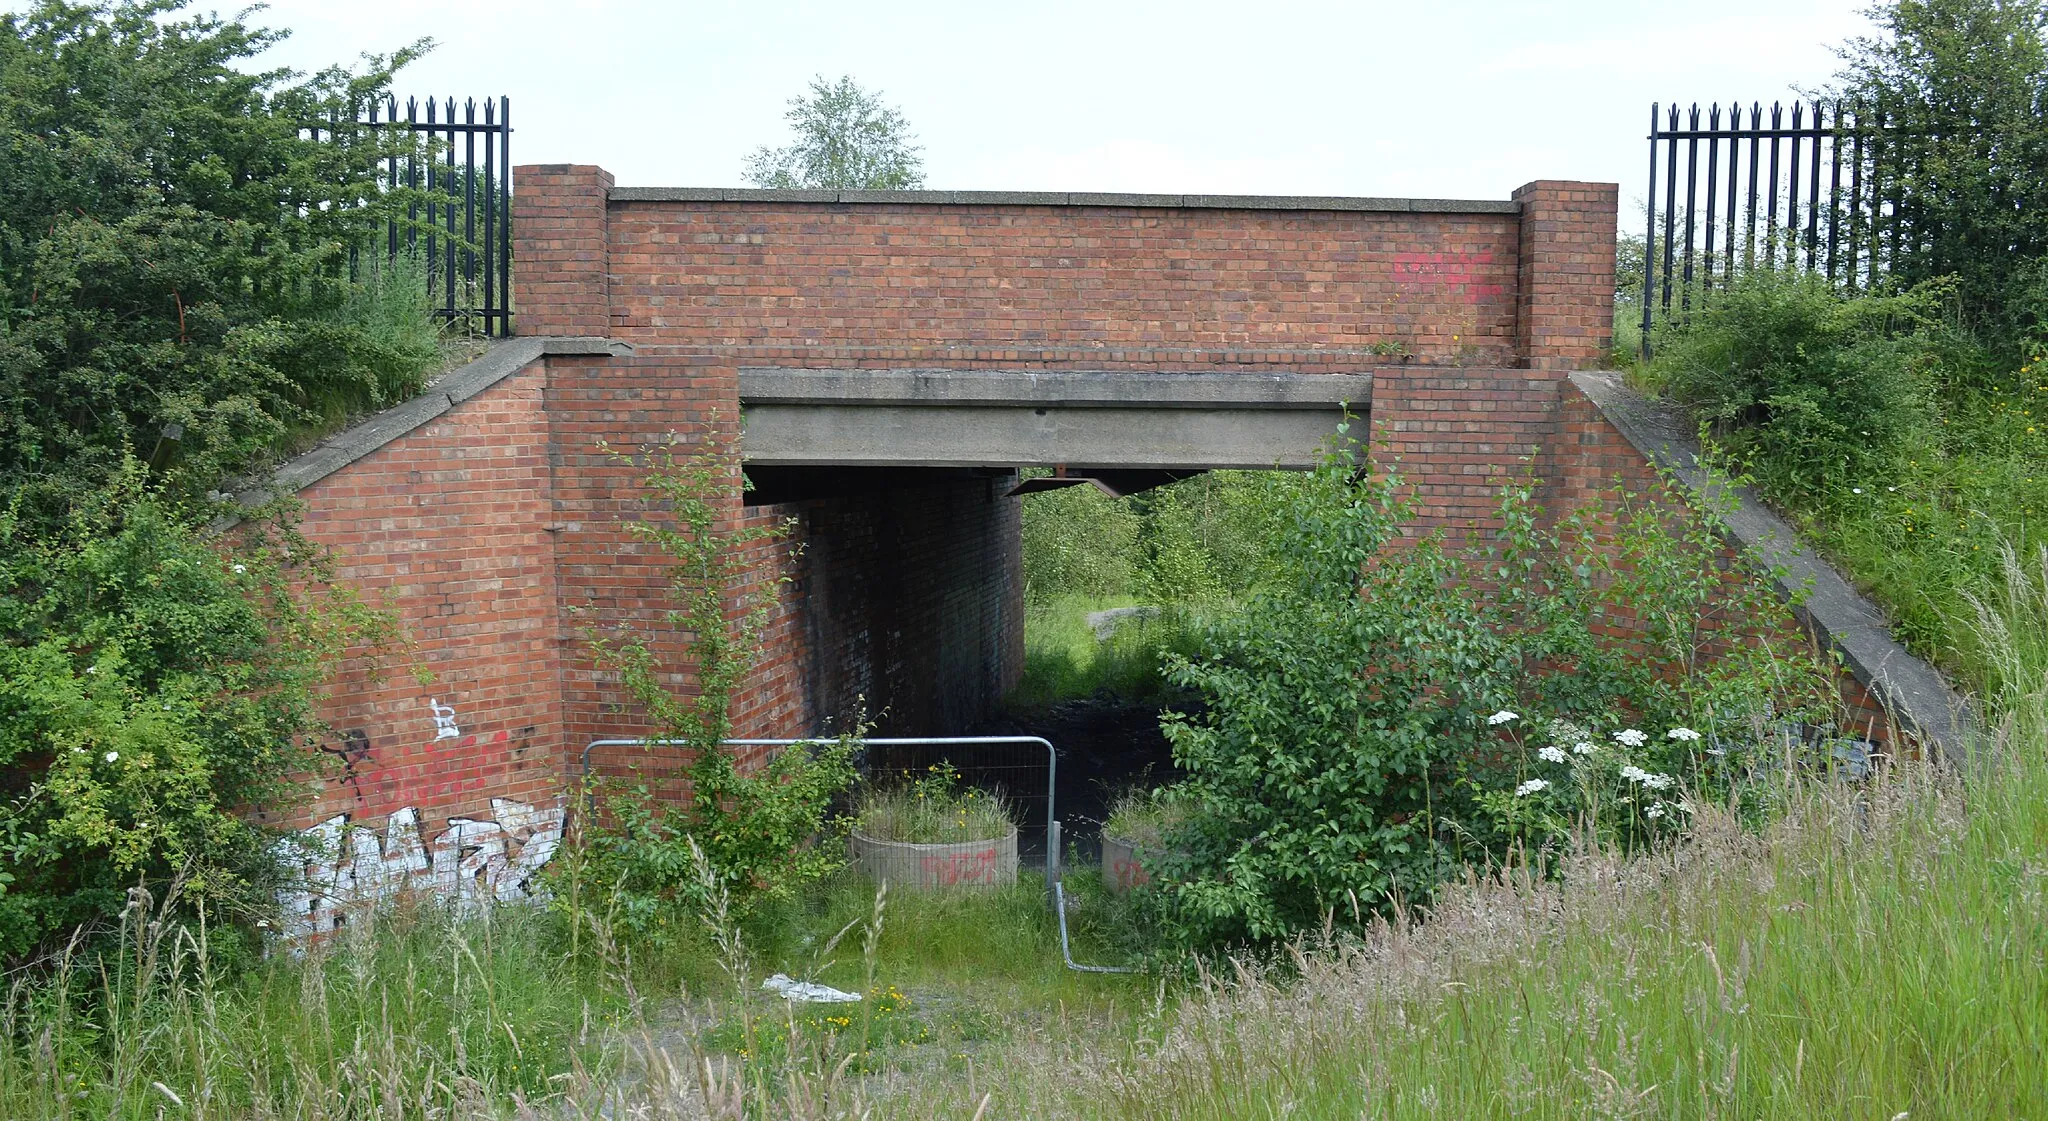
(809, 992)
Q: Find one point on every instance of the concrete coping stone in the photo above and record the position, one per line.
(504, 358)
(1913, 691)
(1069, 198)
(764, 385)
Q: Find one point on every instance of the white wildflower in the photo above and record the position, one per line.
(113, 755)
(1564, 731)
(1531, 787)
(1658, 782)
(1654, 812)
(240, 569)
(1501, 717)
(1631, 737)
(1553, 755)
(92, 669)
(1634, 773)
(1855, 490)
(1686, 735)
(1717, 751)
(1584, 747)
(1682, 807)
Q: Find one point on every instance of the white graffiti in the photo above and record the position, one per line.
(349, 865)
(444, 719)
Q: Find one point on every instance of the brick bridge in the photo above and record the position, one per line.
(898, 355)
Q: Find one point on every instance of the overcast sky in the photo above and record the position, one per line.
(1433, 99)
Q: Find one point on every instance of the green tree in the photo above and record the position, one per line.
(1079, 541)
(1963, 89)
(847, 138)
(174, 299)
(173, 247)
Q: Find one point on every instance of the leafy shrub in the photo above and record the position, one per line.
(1351, 706)
(933, 809)
(761, 831)
(153, 686)
(1811, 389)
(173, 246)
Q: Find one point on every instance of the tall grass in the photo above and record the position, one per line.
(1063, 657)
(2011, 627)
(1873, 954)
(416, 1012)
(411, 1013)
(377, 346)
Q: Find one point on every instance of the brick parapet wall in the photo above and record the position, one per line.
(805, 275)
(1449, 285)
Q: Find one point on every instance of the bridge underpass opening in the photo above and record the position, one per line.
(908, 491)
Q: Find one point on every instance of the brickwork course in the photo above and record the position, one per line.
(496, 527)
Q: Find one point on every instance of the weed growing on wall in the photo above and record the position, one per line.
(1362, 730)
(758, 829)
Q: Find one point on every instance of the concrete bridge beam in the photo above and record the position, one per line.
(1036, 418)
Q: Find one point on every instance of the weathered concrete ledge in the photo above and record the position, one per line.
(1069, 198)
(505, 358)
(1911, 690)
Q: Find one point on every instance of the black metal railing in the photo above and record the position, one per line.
(1800, 190)
(458, 224)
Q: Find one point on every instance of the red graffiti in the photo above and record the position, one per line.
(960, 868)
(1474, 272)
(1127, 873)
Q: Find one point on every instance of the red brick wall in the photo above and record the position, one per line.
(559, 214)
(1564, 308)
(445, 527)
(607, 577)
(765, 277)
(1456, 436)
